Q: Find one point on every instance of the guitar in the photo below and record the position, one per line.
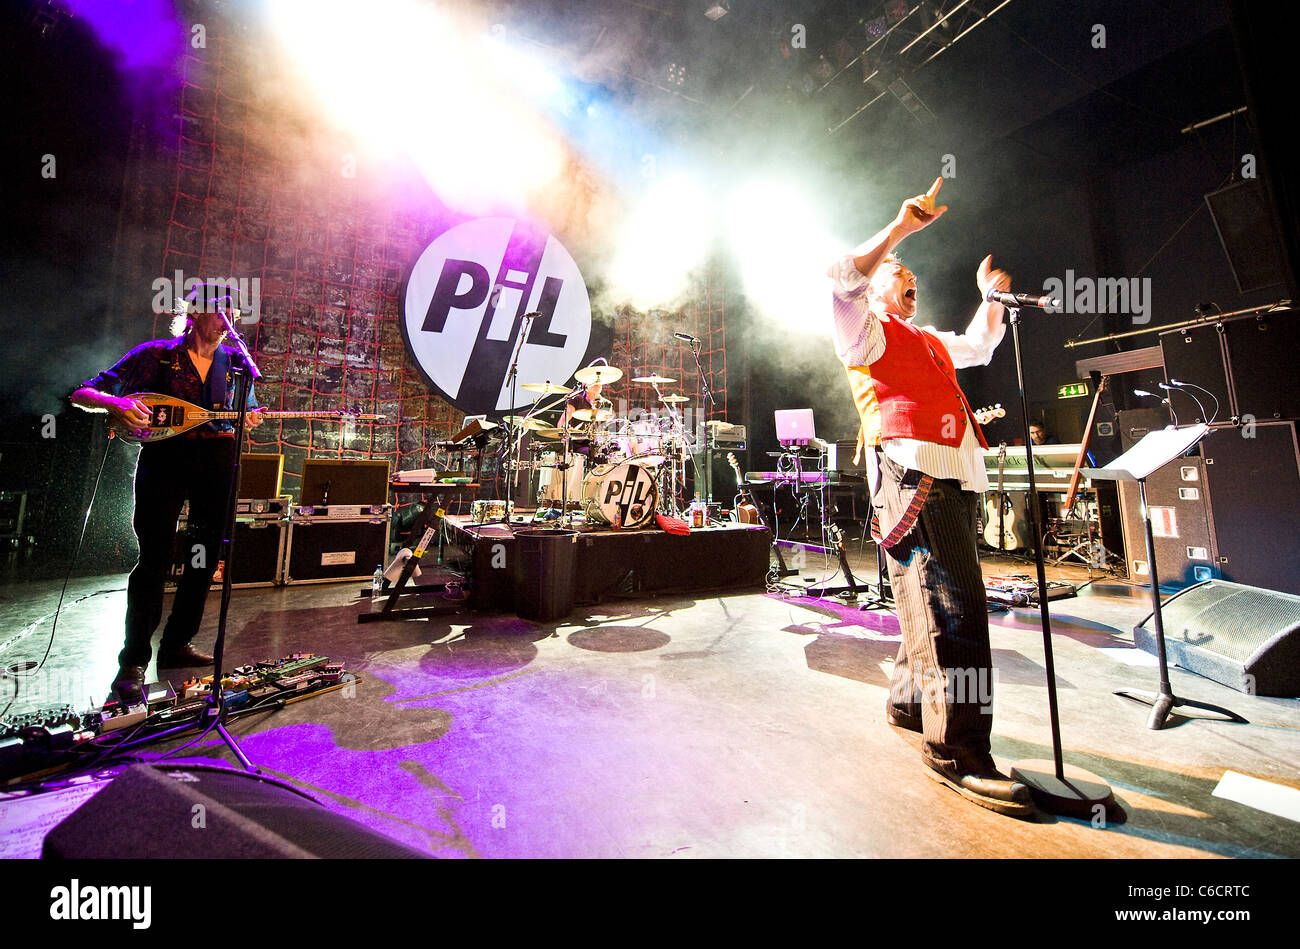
(989, 413)
(747, 501)
(1001, 536)
(1083, 448)
(169, 416)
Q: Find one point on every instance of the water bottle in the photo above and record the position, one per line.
(377, 581)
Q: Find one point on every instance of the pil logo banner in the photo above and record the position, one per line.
(463, 313)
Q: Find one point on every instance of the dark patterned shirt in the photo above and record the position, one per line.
(163, 366)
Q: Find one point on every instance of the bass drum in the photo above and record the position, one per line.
(621, 496)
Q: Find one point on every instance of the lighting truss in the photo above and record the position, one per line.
(913, 38)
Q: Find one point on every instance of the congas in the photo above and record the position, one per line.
(621, 495)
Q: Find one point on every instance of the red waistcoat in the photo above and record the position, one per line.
(911, 391)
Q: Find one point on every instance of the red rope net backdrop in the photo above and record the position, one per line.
(258, 195)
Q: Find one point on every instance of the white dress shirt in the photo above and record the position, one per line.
(859, 341)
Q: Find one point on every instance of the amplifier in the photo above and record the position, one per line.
(260, 475)
(732, 438)
(328, 481)
(257, 554)
(332, 549)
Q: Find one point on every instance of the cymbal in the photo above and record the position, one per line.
(675, 398)
(545, 388)
(590, 375)
(548, 433)
(521, 422)
(593, 415)
(719, 425)
(655, 379)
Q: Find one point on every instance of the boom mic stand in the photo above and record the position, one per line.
(215, 711)
(513, 439)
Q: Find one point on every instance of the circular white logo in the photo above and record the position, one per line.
(464, 308)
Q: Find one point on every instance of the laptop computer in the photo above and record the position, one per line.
(795, 426)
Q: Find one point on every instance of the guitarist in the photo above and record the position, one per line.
(197, 466)
(923, 445)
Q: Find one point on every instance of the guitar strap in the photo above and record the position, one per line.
(908, 520)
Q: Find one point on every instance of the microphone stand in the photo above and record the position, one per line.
(215, 712)
(1075, 792)
(512, 443)
(708, 444)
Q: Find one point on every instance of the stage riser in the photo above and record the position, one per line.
(612, 562)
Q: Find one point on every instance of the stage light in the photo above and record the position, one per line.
(400, 75)
(782, 248)
(669, 234)
(717, 9)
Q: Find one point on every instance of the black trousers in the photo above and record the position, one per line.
(169, 473)
(944, 667)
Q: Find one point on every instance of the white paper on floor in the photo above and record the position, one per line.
(1130, 657)
(1276, 799)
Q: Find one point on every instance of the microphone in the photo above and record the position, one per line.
(530, 316)
(686, 337)
(1145, 392)
(1022, 299)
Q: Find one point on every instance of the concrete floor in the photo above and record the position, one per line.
(746, 725)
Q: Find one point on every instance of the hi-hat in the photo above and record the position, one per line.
(520, 421)
(604, 375)
(654, 380)
(675, 398)
(593, 415)
(548, 433)
(545, 388)
(719, 425)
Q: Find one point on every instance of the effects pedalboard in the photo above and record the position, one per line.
(54, 738)
(1022, 590)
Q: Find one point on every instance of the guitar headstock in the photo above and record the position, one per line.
(989, 413)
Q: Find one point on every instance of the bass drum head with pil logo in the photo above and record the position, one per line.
(623, 496)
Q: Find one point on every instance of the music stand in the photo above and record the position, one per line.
(1153, 452)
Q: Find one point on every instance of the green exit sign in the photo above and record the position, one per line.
(1075, 390)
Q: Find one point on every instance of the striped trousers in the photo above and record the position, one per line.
(944, 667)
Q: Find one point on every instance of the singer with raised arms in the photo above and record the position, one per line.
(923, 457)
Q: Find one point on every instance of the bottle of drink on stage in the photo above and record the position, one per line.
(377, 581)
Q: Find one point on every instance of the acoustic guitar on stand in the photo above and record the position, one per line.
(170, 416)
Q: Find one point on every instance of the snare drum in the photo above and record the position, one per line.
(621, 495)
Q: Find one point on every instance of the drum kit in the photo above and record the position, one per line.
(611, 470)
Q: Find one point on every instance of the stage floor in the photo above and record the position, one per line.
(744, 725)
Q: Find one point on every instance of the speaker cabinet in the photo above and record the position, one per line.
(202, 812)
(328, 549)
(1253, 479)
(1232, 514)
(1248, 234)
(1180, 525)
(1240, 636)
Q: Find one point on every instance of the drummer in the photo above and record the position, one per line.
(588, 397)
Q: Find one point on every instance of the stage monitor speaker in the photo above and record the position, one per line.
(1247, 232)
(201, 812)
(328, 481)
(1196, 355)
(1240, 636)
